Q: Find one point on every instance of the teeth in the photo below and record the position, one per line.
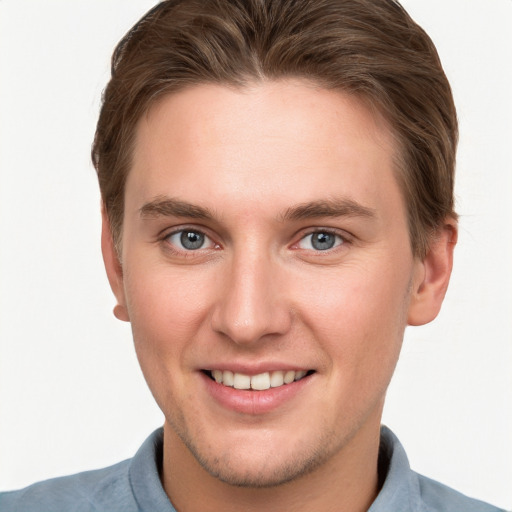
(289, 377)
(241, 381)
(228, 378)
(258, 382)
(276, 379)
(261, 381)
(300, 374)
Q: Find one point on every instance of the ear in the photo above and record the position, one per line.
(113, 267)
(432, 275)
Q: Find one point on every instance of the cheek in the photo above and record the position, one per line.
(165, 301)
(359, 317)
(166, 313)
(167, 310)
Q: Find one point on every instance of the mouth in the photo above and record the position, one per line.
(259, 382)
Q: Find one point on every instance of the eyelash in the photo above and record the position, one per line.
(342, 239)
(172, 247)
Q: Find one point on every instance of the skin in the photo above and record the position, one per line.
(258, 295)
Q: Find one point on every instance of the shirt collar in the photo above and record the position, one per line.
(400, 490)
(144, 474)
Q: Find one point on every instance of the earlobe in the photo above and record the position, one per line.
(121, 313)
(433, 275)
(113, 267)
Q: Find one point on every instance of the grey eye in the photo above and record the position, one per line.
(323, 241)
(191, 240)
(188, 239)
(320, 241)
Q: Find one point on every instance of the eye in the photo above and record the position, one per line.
(320, 241)
(189, 240)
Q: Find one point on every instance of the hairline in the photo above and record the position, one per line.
(365, 100)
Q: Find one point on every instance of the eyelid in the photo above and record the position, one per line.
(165, 234)
(345, 237)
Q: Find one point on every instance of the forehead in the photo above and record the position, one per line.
(265, 145)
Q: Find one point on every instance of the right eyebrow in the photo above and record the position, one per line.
(163, 206)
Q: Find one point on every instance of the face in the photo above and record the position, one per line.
(267, 274)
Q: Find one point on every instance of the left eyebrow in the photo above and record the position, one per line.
(168, 207)
(328, 208)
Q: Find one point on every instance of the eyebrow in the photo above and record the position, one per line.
(168, 207)
(163, 206)
(328, 208)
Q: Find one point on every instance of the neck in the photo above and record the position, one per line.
(348, 481)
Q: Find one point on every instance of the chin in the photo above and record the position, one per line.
(249, 466)
(259, 474)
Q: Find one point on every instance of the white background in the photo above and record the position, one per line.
(71, 394)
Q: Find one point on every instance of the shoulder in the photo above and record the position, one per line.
(442, 498)
(102, 489)
(404, 489)
(128, 486)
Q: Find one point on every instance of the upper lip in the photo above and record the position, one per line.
(255, 369)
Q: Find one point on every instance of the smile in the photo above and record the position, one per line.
(259, 382)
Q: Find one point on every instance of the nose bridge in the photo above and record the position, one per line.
(250, 304)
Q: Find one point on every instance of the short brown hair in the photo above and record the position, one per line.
(369, 48)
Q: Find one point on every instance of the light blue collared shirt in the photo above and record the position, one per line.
(134, 486)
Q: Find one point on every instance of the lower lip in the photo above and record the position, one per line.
(254, 402)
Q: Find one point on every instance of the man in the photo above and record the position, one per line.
(277, 185)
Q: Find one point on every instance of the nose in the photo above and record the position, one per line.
(252, 301)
